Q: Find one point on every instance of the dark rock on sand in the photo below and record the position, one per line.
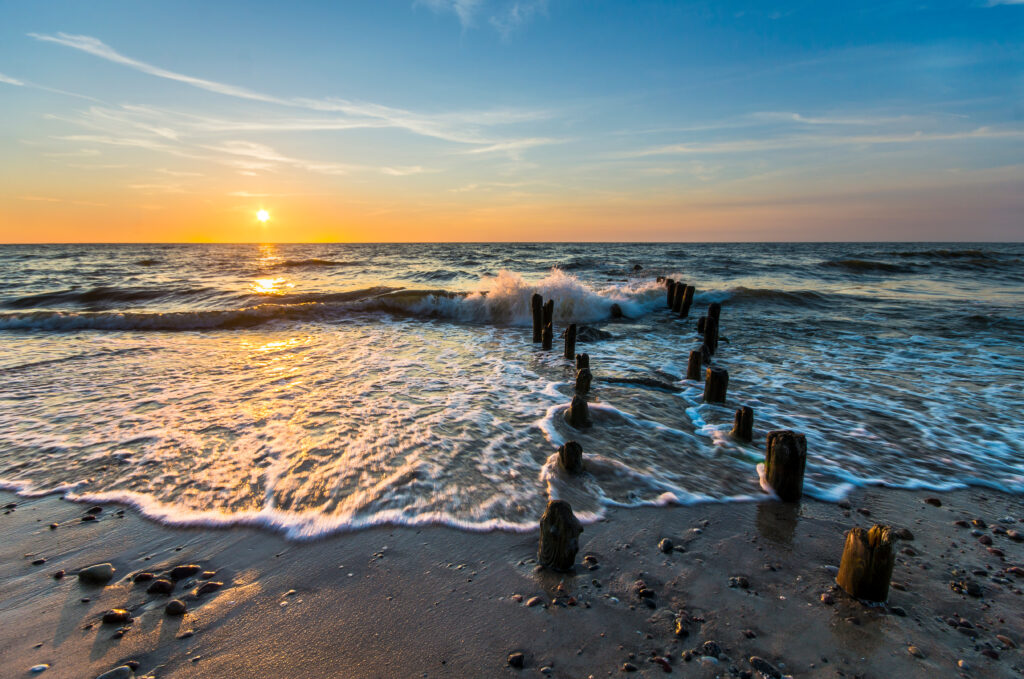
(206, 575)
(665, 545)
(682, 626)
(207, 587)
(175, 607)
(587, 333)
(764, 667)
(629, 667)
(933, 501)
(184, 571)
(144, 576)
(59, 574)
(161, 586)
(711, 649)
(94, 510)
(89, 517)
(739, 581)
(516, 660)
(116, 616)
(903, 534)
(98, 574)
(39, 562)
(122, 672)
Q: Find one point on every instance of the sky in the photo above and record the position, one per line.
(511, 120)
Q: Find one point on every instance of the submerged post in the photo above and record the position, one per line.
(711, 334)
(570, 457)
(537, 306)
(583, 379)
(669, 291)
(570, 342)
(582, 361)
(868, 559)
(559, 536)
(677, 297)
(716, 382)
(784, 461)
(694, 365)
(549, 311)
(578, 414)
(743, 424)
(715, 310)
(687, 301)
(700, 324)
(548, 337)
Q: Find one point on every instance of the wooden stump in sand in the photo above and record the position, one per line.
(582, 361)
(578, 414)
(687, 301)
(711, 334)
(693, 367)
(570, 457)
(570, 342)
(559, 536)
(743, 424)
(784, 461)
(669, 291)
(868, 558)
(548, 337)
(716, 382)
(537, 306)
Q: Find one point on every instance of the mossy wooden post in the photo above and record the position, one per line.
(669, 291)
(868, 558)
(570, 457)
(784, 461)
(578, 414)
(570, 342)
(700, 324)
(743, 424)
(693, 367)
(559, 537)
(583, 380)
(715, 311)
(537, 306)
(687, 301)
(677, 298)
(582, 361)
(716, 382)
(711, 334)
(548, 337)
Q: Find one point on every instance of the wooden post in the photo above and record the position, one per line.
(687, 301)
(578, 414)
(669, 291)
(711, 334)
(714, 310)
(700, 324)
(570, 342)
(549, 311)
(784, 461)
(537, 305)
(582, 361)
(693, 367)
(548, 337)
(677, 298)
(743, 424)
(570, 457)
(615, 310)
(868, 558)
(716, 382)
(559, 536)
(583, 379)
(705, 354)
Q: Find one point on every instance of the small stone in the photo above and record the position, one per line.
(985, 540)
(1014, 535)
(1006, 641)
(53, 526)
(116, 616)
(206, 575)
(827, 598)
(629, 667)
(764, 667)
(933, 501)
(990, 653)
(144, 576)
(59, 575)
(915, 651)
(979, 523)
(184, 571)
(175, 608)
(39, 562)
(36, 669)
(995, 551)
(207, 587)
(898, 611)
(98, 574)
(88, 517)
(534, 601)
(749, 634)
(161, 586)
(962, 664)
(122, 672)
(10, 505)
(665, 545)
(960, 523)
(547, 670)
(681, 627)
(903, 534)
(711, 649)
(94, 510)
(739, 581)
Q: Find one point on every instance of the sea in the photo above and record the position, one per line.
(313, 389)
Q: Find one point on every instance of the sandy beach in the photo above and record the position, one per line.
(746, 579)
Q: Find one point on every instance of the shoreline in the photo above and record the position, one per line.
(436, 601)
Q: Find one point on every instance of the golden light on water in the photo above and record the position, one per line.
(271, 286)
(263, 216)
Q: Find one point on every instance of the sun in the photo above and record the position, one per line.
(263, 216)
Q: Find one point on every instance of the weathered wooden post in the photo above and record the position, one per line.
(677, 298)
(669, 291)
(570, 342)
(784, 461)
(537, 306)
(578, 414)
(687, 301)
(570, 457)
(582, 361)
(705, 354)
(868, 559)
(693, 367)
(743, 424)
(715, 311)
(583, 380)
(549, 311)
(716, 382)
(548, 337)
(700, 324)
(711, 334)
(559, 536)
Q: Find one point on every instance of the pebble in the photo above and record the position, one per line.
(516, 660)
(915, 651)
(39, 562)
(903, 534)
(53, 526)
(629, 667)
(1006, 641)
(207, 587)
(116, 616)
(59, 575)
(206, 575)
(184, 571)
(985, 540)
(534, 601)
(547, 670)
(88, 517)
(898, 611)
(711, 649)
(750, 634)
(764, 667)
(1014, 535)
(36, 669)
(122, 672)
(933, 501)
(144, 576)
(665, 545)
(962, 664)
(94, 510)
(175, 607)
(979, 523)
(739, 581)
(161, 586)
(990, 653)
(681, 627)
(98, 574)
(827, 599)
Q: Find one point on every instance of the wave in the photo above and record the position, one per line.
(102, 297)
(864, 265)
(307, 263)
(741, 294)
(945, 254)
(147, 262)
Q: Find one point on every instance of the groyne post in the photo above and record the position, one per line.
(868, 559)
(670, 290)
(570, 457)
(784, 462)
(559, 536)
(582, 361)
(578, 414)
(716, 382)
(743, 424)
(694, 365)
(687, 301)
(537, 306)
(711, 334)
(570, 342)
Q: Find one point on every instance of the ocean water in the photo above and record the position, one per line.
(320, 388)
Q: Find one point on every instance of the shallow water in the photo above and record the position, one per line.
(315, 388)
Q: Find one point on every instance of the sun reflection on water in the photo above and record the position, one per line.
(271, 286)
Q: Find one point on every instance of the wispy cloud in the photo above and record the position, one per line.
(10, 81)
(789, 117)
(519, 13)
(993, 3)
(464, 9)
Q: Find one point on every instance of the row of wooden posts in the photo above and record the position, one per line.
(868, 556)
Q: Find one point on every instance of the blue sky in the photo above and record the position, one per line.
(497, 119)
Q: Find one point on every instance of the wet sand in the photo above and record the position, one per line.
(437, 602)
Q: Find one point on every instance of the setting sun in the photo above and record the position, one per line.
(263, 216)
